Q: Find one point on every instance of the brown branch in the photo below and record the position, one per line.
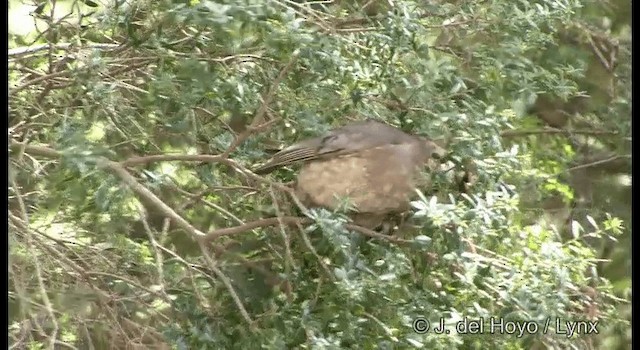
(171, 158)
(128, 68)
(294, 220)
(143, 192)
(287, 220)
(36, 263)
(515, 133)
(307, 243)
(307, 13)
(218, 272)
(26, 50)
(39, 80)
(598, 162)
(354, 22)
(454, 24)
(205, 158)
(357, 30)
(599, 54)
(373, 234)
(211, 263)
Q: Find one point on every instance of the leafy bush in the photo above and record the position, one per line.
(135, 221)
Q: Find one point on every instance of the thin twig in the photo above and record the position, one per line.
(597, 162)
(39, 80)
(154, 244)
(289, 261)
(171, 158)
(262, 111)
(227, 283)
(212, 159)
(294, 220)
(41, 285)
(284, 220)
(309, 245)
(26, 50)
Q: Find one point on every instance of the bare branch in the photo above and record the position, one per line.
(257, 123)
(27, 50)
(285, 220)
(227, 283)
(171, 158)
(294, 220)
(515, 133)
(598, 162)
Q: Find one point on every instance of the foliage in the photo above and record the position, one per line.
(115, 248)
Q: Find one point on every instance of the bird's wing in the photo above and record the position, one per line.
(348, 139)
(289, 155)
(302, 151)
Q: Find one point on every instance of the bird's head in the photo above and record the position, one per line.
(434, 149)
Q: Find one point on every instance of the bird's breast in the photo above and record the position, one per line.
(378, 180)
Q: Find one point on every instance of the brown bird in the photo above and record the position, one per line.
(372, 164)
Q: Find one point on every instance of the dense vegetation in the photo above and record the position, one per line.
(135, 221)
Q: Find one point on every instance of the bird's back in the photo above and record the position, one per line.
(351, 138)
